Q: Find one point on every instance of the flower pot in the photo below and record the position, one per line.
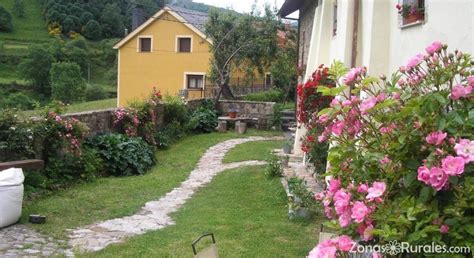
(287, 149)
(11, 196)
(232, 114)
(412, 18)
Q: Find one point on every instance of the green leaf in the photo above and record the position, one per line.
(369, 80)
(409, 178)
(326, 91)
(469, 229)
(425, 194)
(442, 123)
(442, 100)
(471, 114)
(325, 111)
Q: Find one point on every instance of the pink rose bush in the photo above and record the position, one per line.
(140, 119)
(402, 154)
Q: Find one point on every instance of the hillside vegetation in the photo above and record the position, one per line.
(28, 29)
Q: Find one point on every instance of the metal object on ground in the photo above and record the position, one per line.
(208, 252)
(37, 219)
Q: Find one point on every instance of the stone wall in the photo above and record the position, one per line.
(101, 121)
(263, 111)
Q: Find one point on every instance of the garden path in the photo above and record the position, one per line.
(156, 214)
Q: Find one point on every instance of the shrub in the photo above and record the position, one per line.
(16, 138)
(175, 109)
(19, 8)
(302, 196)
(274, 95)
(402, 158)
(204, 118)
(169, 134)
(274, 167)
(67, 84)
(140, 119)
(35, 68)
(92, 30)
(123, 155)
(95, 92)
(5, 20)
(18, 100)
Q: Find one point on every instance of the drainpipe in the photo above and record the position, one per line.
(354, 33)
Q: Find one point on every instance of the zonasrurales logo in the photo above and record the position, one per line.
(393, 248)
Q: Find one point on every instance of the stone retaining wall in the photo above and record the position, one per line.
(263, 111)
(101, 121)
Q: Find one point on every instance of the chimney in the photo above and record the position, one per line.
(138, 17)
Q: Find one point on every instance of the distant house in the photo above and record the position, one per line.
(169, 51)
(373, 33)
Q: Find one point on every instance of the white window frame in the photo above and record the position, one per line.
(183, 37)
(185, 86)
(144, 37)
(400, 18)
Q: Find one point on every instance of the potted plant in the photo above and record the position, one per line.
(287, 146)
(233, 112)
(284, 160)
(411, 13)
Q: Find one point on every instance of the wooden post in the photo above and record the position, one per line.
(28, 164)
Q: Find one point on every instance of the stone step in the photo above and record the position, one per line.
(287, 112)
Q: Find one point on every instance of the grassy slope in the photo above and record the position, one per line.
(31, 28)
(246, 212)
(108, 198)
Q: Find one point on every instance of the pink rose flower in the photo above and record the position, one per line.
(438, 178)
(424, 174)
(444, 229)
(342, 200)
(338, 127)
(345, 243)
(414, 61)
(396, 95)
(345, 219)
(367, 235)
(329, 212)
(460, 91)
(434, 47)
(465, 149)
(359, 211)
(385, 160)
(326, 249)
(436, 138)
(334, 185)
(346, 103)
(377, 190)
(470, 80)
(453, 166)
(367, 104)
(352, 75)
(323, 118)
(322, 138)
(362, 188)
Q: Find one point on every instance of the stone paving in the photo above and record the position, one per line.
(20, 241)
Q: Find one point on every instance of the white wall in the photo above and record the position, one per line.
(449, 21)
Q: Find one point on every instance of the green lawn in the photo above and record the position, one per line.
(31, 28)
(246, 212)
(108, 198)
(252, 151)
(8, 74)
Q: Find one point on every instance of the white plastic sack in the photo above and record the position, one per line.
(11, 196)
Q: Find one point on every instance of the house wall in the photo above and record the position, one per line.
(306, 28)
(162, 68)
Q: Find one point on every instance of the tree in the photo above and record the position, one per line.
(5, 20)
(283, 68)
(19, 8)
(240, 40)
(35, 68)
(68, 25)
(92, 30)
(67, 85)
(112, 21)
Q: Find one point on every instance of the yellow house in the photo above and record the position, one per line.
(169, 51)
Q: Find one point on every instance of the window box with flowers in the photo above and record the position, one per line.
(411, 12)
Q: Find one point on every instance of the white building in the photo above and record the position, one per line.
(372, 33)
